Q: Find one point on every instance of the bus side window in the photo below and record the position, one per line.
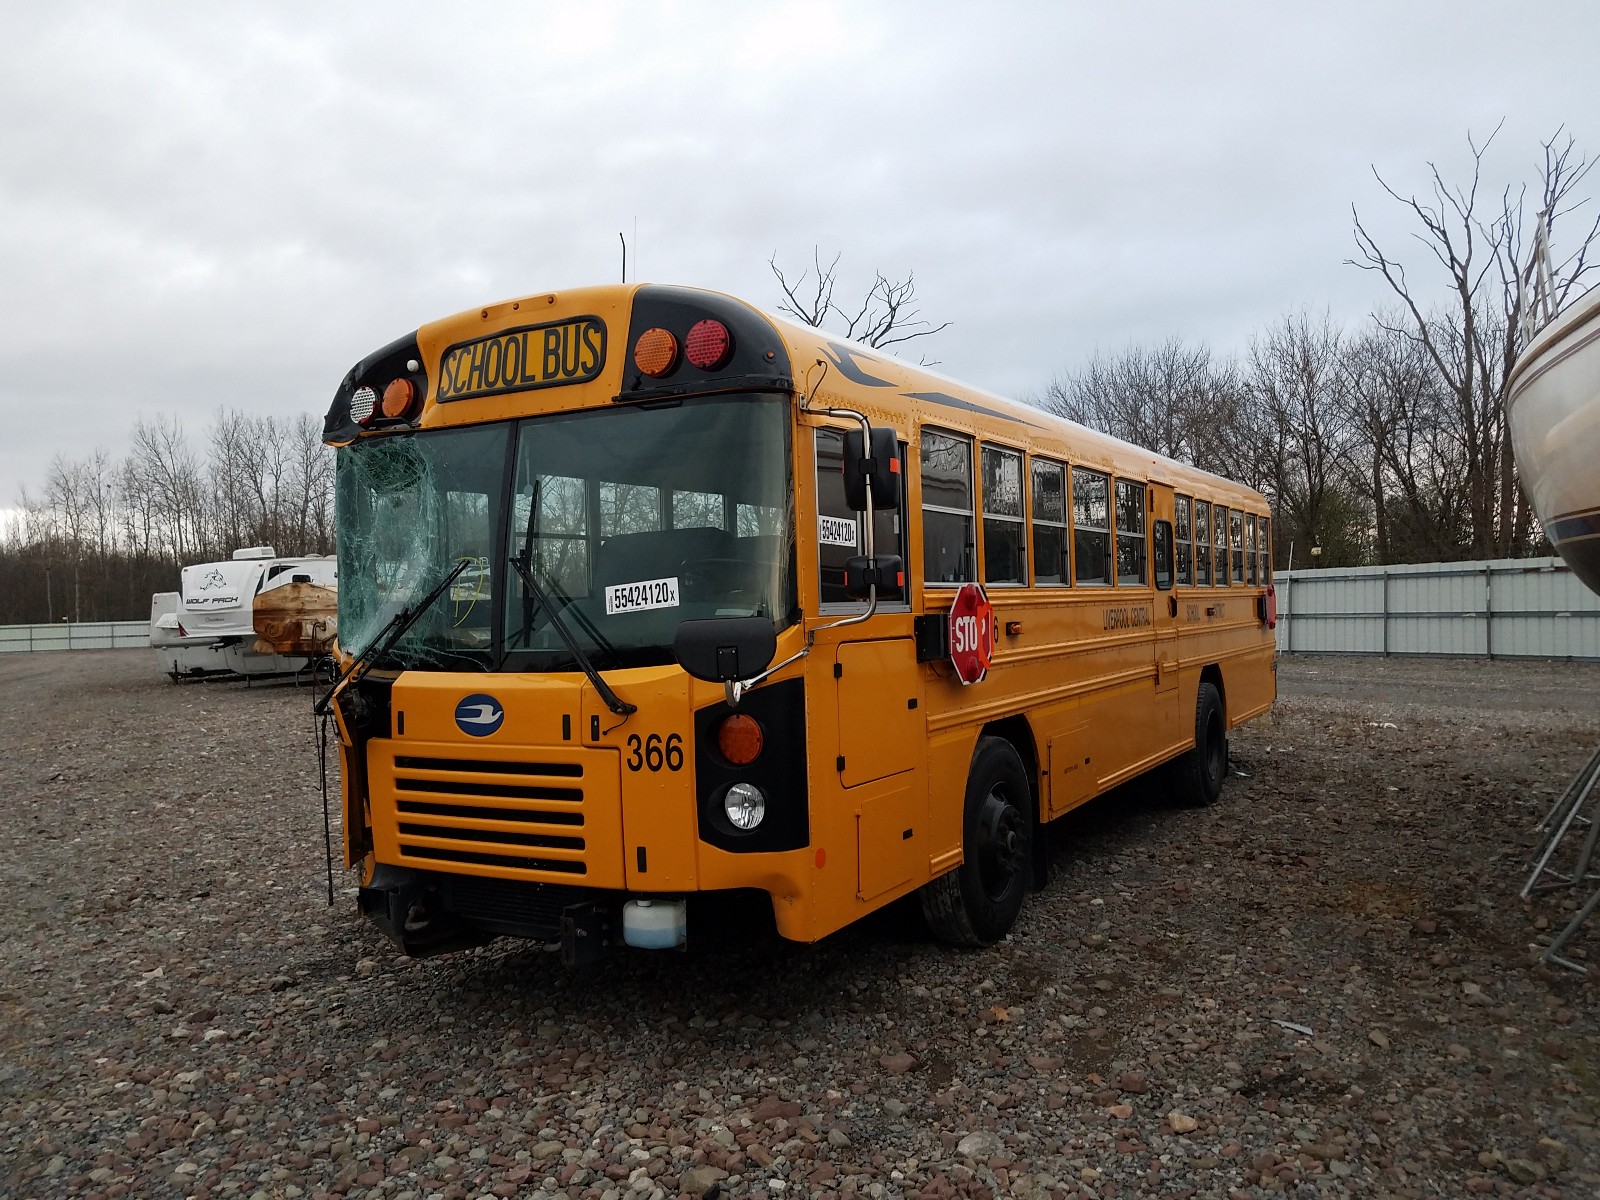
(1264, 542)
(1250, 547)
(1236, 528)
(947, 528)
(629, 508)
(1202, 542)
(1091, 527)
(1131, 564)
(1219, 543)
(1005, 543)
(838, 526)
(1185, 541)
(698, 510)
(1161, 554)
(1050, 525)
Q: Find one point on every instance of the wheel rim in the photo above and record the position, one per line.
(1002, 845)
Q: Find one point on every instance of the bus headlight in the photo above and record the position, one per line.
(745, 805)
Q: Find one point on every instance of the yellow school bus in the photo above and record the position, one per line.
(646, 595)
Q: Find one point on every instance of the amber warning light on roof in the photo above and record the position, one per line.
(535, 356)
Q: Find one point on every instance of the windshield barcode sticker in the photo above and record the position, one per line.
(636, 597)
(836, 531)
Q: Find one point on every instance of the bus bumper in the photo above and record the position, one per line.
(426, 913)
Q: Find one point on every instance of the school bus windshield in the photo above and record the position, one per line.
(640, 518)
(411, 507)
(636, 519)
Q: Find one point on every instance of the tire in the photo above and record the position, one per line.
(978, 902)
(1198, 775)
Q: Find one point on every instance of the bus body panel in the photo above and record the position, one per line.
(887, 851)
(655, 749)
(880, 720)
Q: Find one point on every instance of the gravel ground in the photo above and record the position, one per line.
(182, 1015)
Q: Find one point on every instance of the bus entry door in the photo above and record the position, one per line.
(1163, 563)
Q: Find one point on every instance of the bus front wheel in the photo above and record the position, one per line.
(977, 903)
(1199, 773)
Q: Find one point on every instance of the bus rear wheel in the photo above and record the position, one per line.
(1198, 775)
(978, 902)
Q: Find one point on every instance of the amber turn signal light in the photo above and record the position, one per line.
(397, 397)
(739, 739)
(655, 352)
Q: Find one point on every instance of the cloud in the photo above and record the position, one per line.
(217, 205)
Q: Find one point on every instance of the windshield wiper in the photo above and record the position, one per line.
(525, 569)
(601, 642)
(386, 640)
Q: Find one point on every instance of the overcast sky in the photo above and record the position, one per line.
(206, 205)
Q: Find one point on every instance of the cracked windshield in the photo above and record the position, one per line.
(636, 519)
(412, 508)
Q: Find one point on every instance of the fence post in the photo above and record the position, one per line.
(1488, 610)
(1288, 612)
(1386, 611)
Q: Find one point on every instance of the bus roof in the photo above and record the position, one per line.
(890, 388)
(577, 331)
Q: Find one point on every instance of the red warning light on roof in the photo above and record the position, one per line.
(708, 345)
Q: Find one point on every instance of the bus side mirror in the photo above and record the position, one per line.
(725, 649)
(885, 571)
(878, 469)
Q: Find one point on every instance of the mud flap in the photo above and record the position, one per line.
(583, 934)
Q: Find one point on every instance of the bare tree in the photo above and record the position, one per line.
(1471, 336)
(1177, 400)
(252, 469)
(234, 516)
(310, 486)
(1386, 389)
(1298, 431)
(104, 534)
(886, 316)
(166, 475)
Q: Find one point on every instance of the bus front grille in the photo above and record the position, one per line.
(520, 816)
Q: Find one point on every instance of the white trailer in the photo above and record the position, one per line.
(211, 625)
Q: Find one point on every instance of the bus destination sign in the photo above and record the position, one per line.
(516, 360)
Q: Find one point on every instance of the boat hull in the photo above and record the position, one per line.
(1554, 410)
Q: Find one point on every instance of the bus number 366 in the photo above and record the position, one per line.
(654, 753)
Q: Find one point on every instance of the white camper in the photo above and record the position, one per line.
(180, 655)
(214, 617)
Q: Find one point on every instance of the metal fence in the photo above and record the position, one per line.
(1507, 608)
(85, 635)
